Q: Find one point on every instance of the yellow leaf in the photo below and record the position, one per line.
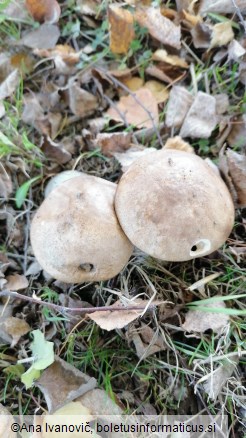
(121, 29)
(158, 90)
(222, 34)
(163, 56)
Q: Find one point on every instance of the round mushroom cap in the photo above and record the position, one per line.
(173, 206)
(75, 234)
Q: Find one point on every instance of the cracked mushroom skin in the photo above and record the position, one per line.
(173, 206)
(75, 234)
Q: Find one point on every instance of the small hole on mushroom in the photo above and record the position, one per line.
(86, 267)
(194, 248)
(201, 247)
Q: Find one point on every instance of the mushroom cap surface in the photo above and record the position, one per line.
(173, 206)
(58, 179)
(75, 234)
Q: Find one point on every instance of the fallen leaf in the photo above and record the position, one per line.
(62, 383)
(201, 35)
(200, 321)
(140, 109)
(121, 31)
(132, 154)
(237, 134)
(179, 144)
(222, 34)
(117, 319)
(45, 37)
(43, 356)
(47, 11)
(159, 91)
(146, 341)
(180, 101)
(221, 6)
(235, 51)
(159, 27)
(191, 19)
(8, 87)
(199, 123)
(7, 420)
(189, 5)
(237, 170)
(15, 328)
(6, 186)
(5, 313)
(219, 377)
(113, 142)
(16, 282)
(99, 403)
(199, 285)
(55, 151)
(133, 83)
(2, 110)
(81, 102)
(222, 103)
(88, 7)
(162, 55)
(157, 72)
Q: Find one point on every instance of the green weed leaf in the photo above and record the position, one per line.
(21, 192)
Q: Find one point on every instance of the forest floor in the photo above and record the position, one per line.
(90, 86)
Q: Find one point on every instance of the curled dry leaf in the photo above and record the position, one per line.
(55, 151)
(6, 186)
(47, 11)
(45, 37)
(8, 87)
(16, 282)
(81, 102)
(221, 6)
(134, 153)
(180, 101)
(140, 109)
(163, 56)
(201, 35)
(113, 142)
(6, 422)
(199, 123)
(200, 321)
(121, 29)
(159, 27)
(222, 34)
(15, 328)
(179, 144)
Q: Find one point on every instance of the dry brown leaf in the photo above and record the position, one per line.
(6, 422)
(163, 56)
(55, 151)
(222, 34)
(158, 73)
(62, 383)
(47, 11)
(191, 19)
(63, 51)
(117, 319)
(159, 91)
(45, 37)
(113, 142)
(146, 341)
(179, 144)
(189, 5)
(159, 27)
(16, 282)
(199, 123)
(221, 6)
(237, 171)
(180, 101)
(136, 109)
(134, 153)
(8, 87)
(6, 187)
(133, 83)
(200, 321)
(81, 102)
(222, 103)
(218, 377)
(121, 29)
(15, 327)
(201, 35)
(237, 136)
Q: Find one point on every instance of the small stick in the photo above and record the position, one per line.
(64, 309)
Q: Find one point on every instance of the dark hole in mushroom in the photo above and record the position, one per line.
(194, 248)
(86, 267)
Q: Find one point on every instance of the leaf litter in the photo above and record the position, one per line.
(97, 91)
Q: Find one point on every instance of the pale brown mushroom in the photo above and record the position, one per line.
(173, 206)
(75, 234)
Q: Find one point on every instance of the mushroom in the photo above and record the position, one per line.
(75, 234)
(173, 206)
(58, 179)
